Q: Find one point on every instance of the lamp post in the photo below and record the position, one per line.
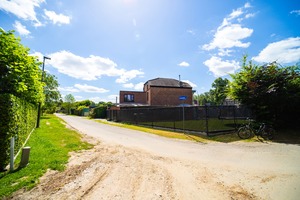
(39, 107)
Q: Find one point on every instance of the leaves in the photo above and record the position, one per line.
(20, 73)
(271, 91)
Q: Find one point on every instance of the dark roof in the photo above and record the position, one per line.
(167, 82)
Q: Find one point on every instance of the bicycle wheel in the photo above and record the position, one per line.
(244, 132)
(268, 133)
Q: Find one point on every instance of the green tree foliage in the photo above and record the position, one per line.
(219, 90)
(271, 91)
(85, 103)
(19, 73)
(216, 95)
(69, 99)
(205, 98)
(52, 95)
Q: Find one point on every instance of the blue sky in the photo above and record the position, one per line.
(99, 47)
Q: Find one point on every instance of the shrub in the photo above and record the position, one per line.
(99, 112)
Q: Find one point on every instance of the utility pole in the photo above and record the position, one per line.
(39, 107)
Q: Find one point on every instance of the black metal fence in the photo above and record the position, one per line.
(198, 119)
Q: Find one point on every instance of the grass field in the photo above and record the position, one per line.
(211, 125)
(229, 137)
(50, 146)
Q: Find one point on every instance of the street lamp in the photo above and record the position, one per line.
(39, 108)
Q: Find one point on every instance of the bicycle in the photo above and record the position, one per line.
(248, 130)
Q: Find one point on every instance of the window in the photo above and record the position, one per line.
(128, 98)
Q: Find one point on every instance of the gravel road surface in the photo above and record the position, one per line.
(128, 164)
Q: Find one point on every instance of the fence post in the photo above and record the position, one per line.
(206, 120)
(12, 149)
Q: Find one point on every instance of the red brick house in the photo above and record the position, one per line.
(159, 92)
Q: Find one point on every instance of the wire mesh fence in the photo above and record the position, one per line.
(198, 119)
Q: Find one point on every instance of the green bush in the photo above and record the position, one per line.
(17, 119)
(99, 112)
(81, 110)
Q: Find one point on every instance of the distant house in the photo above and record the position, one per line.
(159, 92)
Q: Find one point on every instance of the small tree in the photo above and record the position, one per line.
(69, 99)
(52, 95)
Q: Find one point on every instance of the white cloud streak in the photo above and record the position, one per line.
(184, 64)
(296, 12)
(21, 29)
(23, 9)
(228, 36)
(89, 88)
(284, 51)
(58, 19)
(221, 67)
(90, 68)
(83, 88)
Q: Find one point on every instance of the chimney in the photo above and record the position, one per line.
(180, 83)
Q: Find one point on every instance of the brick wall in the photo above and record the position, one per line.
(167, 96)
(139, 97)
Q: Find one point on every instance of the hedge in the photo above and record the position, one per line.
(17, 118)
(99, 112)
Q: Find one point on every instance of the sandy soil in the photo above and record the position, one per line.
(110, 171)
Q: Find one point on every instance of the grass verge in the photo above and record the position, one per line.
(50, 146)
(226, 138)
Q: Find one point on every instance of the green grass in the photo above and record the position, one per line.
(50, 146)
(214, 124)
(226, 138)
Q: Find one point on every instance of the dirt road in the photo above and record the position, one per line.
(127, 164)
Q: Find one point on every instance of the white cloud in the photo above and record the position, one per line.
(89, 88)
(82, 88)
(247, 5)
(183, 64)
(128, 85)
(191, 84)
(57, 18)
(125, 76)
(220, 67)
(192, 32)
(231, 33)
(23, 9)
(284, 51)
(297, 12)
(68, 89)
(139, 86)
(89, 68)
(235, 13)
(21, 29)
(134, 22)
(225, 52)
(249, 15)
(229, 36)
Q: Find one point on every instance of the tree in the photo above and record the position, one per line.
(52, 95)
(271, 91)
(85, 103)
(205, 98)
(69, 99)
(216, 95)
(20, 74)
(219, 91)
